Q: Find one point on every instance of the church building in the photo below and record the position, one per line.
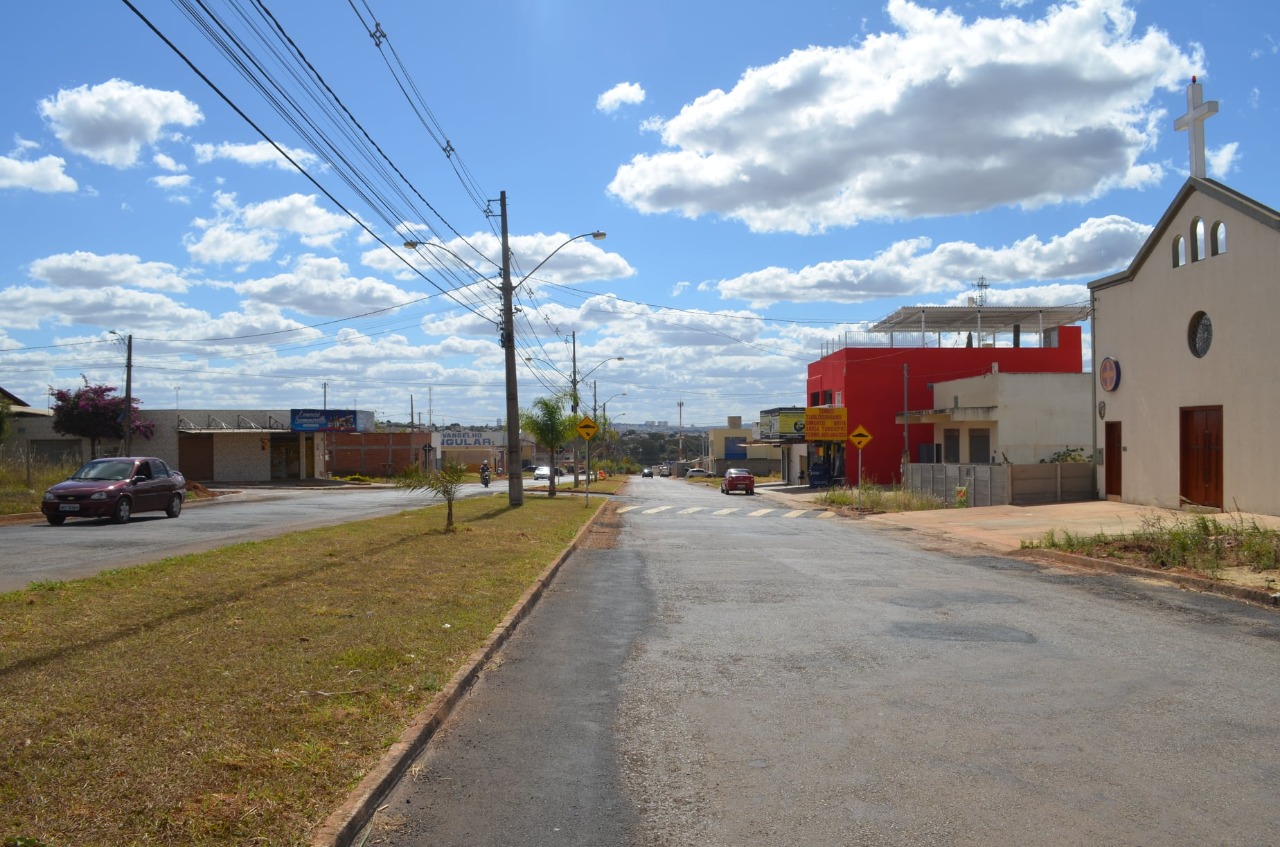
(1186, 400)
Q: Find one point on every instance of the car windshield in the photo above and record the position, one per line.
(105, 470)
(738, 472)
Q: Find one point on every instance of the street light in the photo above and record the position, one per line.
(515, 478)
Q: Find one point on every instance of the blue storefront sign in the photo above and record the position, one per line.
(323, 420)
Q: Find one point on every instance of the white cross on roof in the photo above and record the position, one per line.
(1193, 121)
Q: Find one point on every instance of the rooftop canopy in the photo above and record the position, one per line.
(985, 319)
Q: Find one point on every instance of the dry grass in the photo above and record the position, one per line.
(234, 697)
(22, 483)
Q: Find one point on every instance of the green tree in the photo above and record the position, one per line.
(445, 482)
(551, 427)
(6, 418)
(93, 412)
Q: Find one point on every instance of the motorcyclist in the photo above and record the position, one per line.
(484, 472)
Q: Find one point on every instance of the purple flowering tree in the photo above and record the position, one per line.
(94, 412)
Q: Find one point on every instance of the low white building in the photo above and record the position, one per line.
(1009, 418)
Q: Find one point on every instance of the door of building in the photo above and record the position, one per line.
(1112, 460)
(1201, 460)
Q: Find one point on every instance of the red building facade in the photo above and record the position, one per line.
(876, 383)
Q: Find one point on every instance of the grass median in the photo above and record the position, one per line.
(234, 697)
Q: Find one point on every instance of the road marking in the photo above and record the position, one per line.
(797, 513)
(822, 515)
(725, 511)
(691, 511)
(655, 511)
(622, 510)
(759, 513)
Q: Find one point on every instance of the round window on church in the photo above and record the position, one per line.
(1200, 334)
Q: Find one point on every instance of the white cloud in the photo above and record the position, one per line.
(223, 243)
(45, 174)
(81, 271)
(168, 163)
(252, 233)
(111, 122)
(260, 153)
(299, 214)
(914, 267)
(1222, 160)
(27, 307)
(941, 116)
(624, 93)
(678, 288)
(579, 261)
(323, 286)
(171, 182)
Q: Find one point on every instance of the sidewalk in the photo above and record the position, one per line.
(1003, 529)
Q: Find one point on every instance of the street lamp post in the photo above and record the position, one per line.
(515, 477)
(574, 380)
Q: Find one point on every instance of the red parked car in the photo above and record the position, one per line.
(116, 488)
(738, 479)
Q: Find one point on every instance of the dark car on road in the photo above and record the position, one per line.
(646, 473)
(738, 479)
(116, 488)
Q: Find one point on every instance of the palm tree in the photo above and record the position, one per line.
(550, 427)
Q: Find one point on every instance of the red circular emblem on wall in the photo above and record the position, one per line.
(1109, 374)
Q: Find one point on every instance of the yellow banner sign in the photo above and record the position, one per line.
(826, 424)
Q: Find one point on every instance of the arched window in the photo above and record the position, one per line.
(1179, 251)
(1197, 240)
(1218, 239)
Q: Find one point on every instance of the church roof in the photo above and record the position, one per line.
(1213, 189)
(979, 318)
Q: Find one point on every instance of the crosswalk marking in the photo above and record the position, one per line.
(818, 514)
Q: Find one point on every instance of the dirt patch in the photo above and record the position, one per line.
(605, 531)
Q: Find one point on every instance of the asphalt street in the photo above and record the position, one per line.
(35, 551)
(712, 670)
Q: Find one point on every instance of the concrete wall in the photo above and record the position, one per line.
(1030, 416)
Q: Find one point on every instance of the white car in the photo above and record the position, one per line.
(542, 472)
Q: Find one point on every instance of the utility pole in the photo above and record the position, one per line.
(573, 405)
(680, 436)
(515, 476)
(128, 395)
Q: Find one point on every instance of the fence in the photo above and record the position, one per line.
(1002, 485)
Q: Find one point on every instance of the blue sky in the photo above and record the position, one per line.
(770, 176)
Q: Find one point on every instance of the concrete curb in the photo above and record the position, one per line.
(349, 820)
(1193, 583)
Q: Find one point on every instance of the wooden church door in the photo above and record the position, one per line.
(1201, 460)
(1113, 446)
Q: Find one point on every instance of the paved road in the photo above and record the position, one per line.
(35, 551)
(700, 677)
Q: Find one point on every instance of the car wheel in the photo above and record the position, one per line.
(122, 511)
(56, 520)
(175, 506)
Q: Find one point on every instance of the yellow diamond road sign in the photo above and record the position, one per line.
(860, 437)
(587, 428)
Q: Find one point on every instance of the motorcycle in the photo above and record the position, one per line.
(484, 477)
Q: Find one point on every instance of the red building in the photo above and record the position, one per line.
(890, 369)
